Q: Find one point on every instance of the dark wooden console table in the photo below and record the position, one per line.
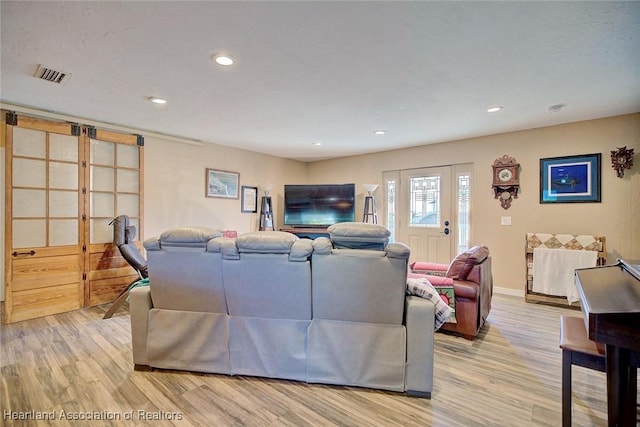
(610, 298)
(307, 232)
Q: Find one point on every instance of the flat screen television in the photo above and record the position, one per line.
(319, 205)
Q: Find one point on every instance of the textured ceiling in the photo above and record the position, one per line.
(324, 71)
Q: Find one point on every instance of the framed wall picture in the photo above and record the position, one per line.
(570, 179)
(223, 184)
(249, 199)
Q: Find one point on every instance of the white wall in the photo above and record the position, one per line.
(617, 217)
(174, 188)
(2, 149)
(174, 185)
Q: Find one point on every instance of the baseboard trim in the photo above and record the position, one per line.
(508, 291)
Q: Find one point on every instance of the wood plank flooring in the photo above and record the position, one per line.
(78, 365)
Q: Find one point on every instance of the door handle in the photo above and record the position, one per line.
(446, 228)
(30, 253)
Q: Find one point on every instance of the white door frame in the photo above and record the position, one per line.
(459, 237)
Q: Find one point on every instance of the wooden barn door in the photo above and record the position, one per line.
(63, 184)
(114, 174)
(43, 226)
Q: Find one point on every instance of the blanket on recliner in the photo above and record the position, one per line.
(422, 288)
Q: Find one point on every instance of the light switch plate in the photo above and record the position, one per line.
(505, 220)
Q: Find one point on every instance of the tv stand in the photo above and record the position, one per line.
(307, 232)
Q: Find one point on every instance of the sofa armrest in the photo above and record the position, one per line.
(430, 268)
(301, 250)
(466, 289)
(322, 246)
(419, 321)
(139, 305)
(398, 250)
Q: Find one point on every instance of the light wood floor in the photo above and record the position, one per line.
(80, 364)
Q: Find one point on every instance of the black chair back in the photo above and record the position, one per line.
(123, 237)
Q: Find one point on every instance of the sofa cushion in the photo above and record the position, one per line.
(188, 236)
(359, 235)
(463, 263)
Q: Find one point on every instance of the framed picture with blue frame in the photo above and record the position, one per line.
(571, 179)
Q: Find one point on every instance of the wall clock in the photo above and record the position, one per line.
(621, 159)
(506, 180)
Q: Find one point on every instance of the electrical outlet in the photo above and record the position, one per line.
(505, 220)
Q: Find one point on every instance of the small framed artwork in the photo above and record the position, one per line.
(570, 179)
(249, 199)
(223, 184)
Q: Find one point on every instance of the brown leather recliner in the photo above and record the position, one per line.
(472, 287)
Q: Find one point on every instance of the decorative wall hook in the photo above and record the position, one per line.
(621, 159)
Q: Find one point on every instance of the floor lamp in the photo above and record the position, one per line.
(370, 210)
(266, 210)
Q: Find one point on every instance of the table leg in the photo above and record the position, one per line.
(621, 405)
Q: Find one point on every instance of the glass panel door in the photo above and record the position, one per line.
(425, 213)
(430, 210)
(463, 230)
(62, 189)
(43, 242)
(391, 185)
(115, 188)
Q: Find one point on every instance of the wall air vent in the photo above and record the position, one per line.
(49, 74)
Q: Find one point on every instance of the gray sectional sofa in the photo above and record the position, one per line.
(330, 310)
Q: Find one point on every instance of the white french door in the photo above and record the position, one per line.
(428, 209)
(425, 206)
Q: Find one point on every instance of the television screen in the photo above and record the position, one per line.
(319, 205)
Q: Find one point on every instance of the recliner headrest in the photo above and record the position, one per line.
(120, 224)
(359, 235)
(189, 237)
(463, 263)
(266, 242)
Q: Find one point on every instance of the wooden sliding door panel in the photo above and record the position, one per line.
(115, 188)
(33, 303)
(64, 184)
(108, 273)
(108, 263)
(42, 272)
(105, 290)
(43, 218)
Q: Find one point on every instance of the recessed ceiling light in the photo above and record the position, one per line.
(494, 109)
(317, 143)
(379, 132)
(223, 59)
(157, 100)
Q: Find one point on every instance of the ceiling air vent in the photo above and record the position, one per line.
(51, 75)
